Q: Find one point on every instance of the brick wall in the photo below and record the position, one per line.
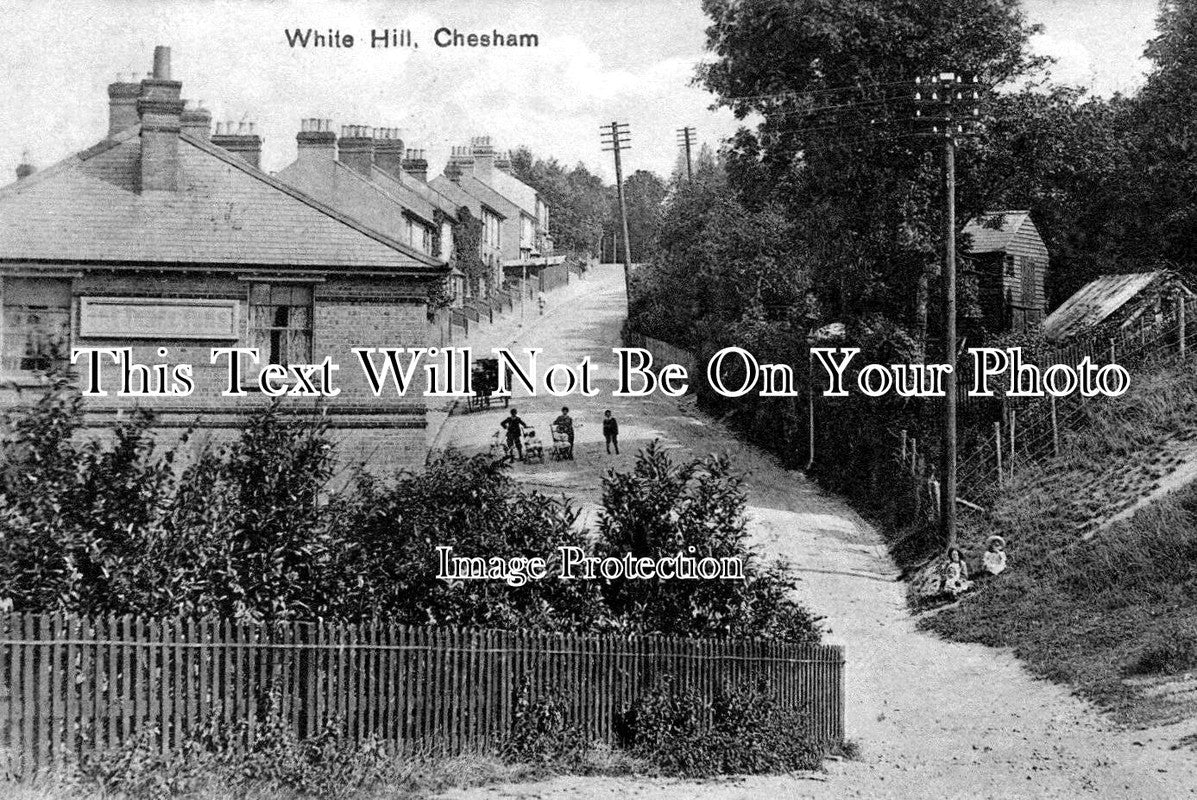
(347, 313)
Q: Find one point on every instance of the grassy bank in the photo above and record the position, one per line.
(1113, 615)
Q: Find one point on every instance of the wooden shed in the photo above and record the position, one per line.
(1116, 303)
(1007, 260)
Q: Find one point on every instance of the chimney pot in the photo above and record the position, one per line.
(161, 63)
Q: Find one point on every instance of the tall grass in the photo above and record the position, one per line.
(1090, 611)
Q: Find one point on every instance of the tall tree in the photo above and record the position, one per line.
(576, 198)
(832, 82)
(645, 195)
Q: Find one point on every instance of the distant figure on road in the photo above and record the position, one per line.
(540, 302)
(955, 574)
(994, 560)
(611, 431)
(565, 424)
(514, 427)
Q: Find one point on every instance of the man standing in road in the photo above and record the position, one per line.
(514, 427)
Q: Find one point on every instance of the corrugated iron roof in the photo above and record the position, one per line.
(992, 231)
(1096, 301)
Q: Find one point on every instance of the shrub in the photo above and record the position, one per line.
(661, 508)
(744, 731)
(540, 733)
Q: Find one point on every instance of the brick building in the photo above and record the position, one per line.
(162, 236)
(515, 218)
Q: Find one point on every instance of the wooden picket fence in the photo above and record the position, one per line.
(71, 686)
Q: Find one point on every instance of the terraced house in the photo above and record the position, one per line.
(167, 241)
(515, 218)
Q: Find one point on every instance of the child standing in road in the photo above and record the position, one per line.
(611, 431)
(565, 424)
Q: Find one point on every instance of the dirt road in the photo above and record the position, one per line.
(934, 719)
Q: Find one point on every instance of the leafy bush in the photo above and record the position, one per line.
(540, 733)
(695, 507)
(252, 530)
(743, 731)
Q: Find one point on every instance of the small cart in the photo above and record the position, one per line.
(485, 378)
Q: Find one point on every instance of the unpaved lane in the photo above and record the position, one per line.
(934, 719)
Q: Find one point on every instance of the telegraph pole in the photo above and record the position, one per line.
(946, 105)
(617, 138)
(685, 137)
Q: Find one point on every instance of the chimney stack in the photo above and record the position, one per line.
(503, 161)
(484, 156)
(316, 140)
(416, 165)
(197, 121)
(240, 139)
(159, 109)
(461, 160)
(356, 148)
(388, 151)
(25, 169)
(122, 105)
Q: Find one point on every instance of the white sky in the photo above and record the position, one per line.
(599, 60)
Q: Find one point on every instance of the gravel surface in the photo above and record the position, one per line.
(934, 719)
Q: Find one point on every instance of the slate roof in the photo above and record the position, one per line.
(488, 195)
(365, 199)
(519, 193)
(86, 209)
(411, 185)
(1096, 301)
(459, 196)
(993, 231)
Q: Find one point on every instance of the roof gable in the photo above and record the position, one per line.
(993, 231)
(457, 195)
(519, 193)
(86, 208)
(487, 195)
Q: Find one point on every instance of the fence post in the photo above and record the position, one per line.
(1180, 320)
(1013, 415)
(997, 442)
(1111, 350)
(1055, 428)
(903, 445)
(914, 455)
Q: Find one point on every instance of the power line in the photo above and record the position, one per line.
(805, 92)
